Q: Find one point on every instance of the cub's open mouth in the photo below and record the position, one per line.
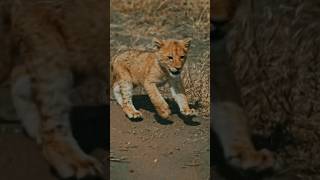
(175, 72)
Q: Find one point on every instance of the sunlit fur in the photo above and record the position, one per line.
(151, 69)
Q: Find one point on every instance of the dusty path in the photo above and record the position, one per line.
(158, 149)
(21, 158)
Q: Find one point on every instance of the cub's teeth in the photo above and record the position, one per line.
(174, 75)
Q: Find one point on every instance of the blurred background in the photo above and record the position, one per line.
(275, 50)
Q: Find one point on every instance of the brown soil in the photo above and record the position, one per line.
(21, 158)
(158, 149)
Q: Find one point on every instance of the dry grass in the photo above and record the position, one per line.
(135, 23)
(276, 58)
(159, 18)
(198, 87)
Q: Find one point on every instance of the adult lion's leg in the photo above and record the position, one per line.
(51, 83)
(229, 120)
(51, 94)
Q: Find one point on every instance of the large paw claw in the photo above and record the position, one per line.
(71, 162)
(255, 161)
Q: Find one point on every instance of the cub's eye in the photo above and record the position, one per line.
(182, 57)
(170, 57)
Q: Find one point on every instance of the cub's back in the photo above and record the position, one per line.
(135, 62)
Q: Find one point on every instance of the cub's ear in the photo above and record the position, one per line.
(187, 42)
(157, 43)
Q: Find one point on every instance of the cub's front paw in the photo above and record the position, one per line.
(256, 161)
(189, 112)
(70, 162)
(134, 115)
(164, 112)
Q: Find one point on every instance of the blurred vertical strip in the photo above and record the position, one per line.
(108, 89)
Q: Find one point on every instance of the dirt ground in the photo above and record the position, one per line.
(158, 149)
(20, 158)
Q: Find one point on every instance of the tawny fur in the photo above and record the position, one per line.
(44, 45)
(151, 69)
(229, 120)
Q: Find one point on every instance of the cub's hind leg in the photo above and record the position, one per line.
(117, 93)
(122, 90)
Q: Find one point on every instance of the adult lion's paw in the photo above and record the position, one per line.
(256, 161)
(70, 161)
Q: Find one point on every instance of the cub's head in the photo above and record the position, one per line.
(172, 54)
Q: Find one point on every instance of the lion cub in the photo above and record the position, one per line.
(151, 69)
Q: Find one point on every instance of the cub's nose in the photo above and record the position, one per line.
(178, 69)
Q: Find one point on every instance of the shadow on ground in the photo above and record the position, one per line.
(143, 102)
